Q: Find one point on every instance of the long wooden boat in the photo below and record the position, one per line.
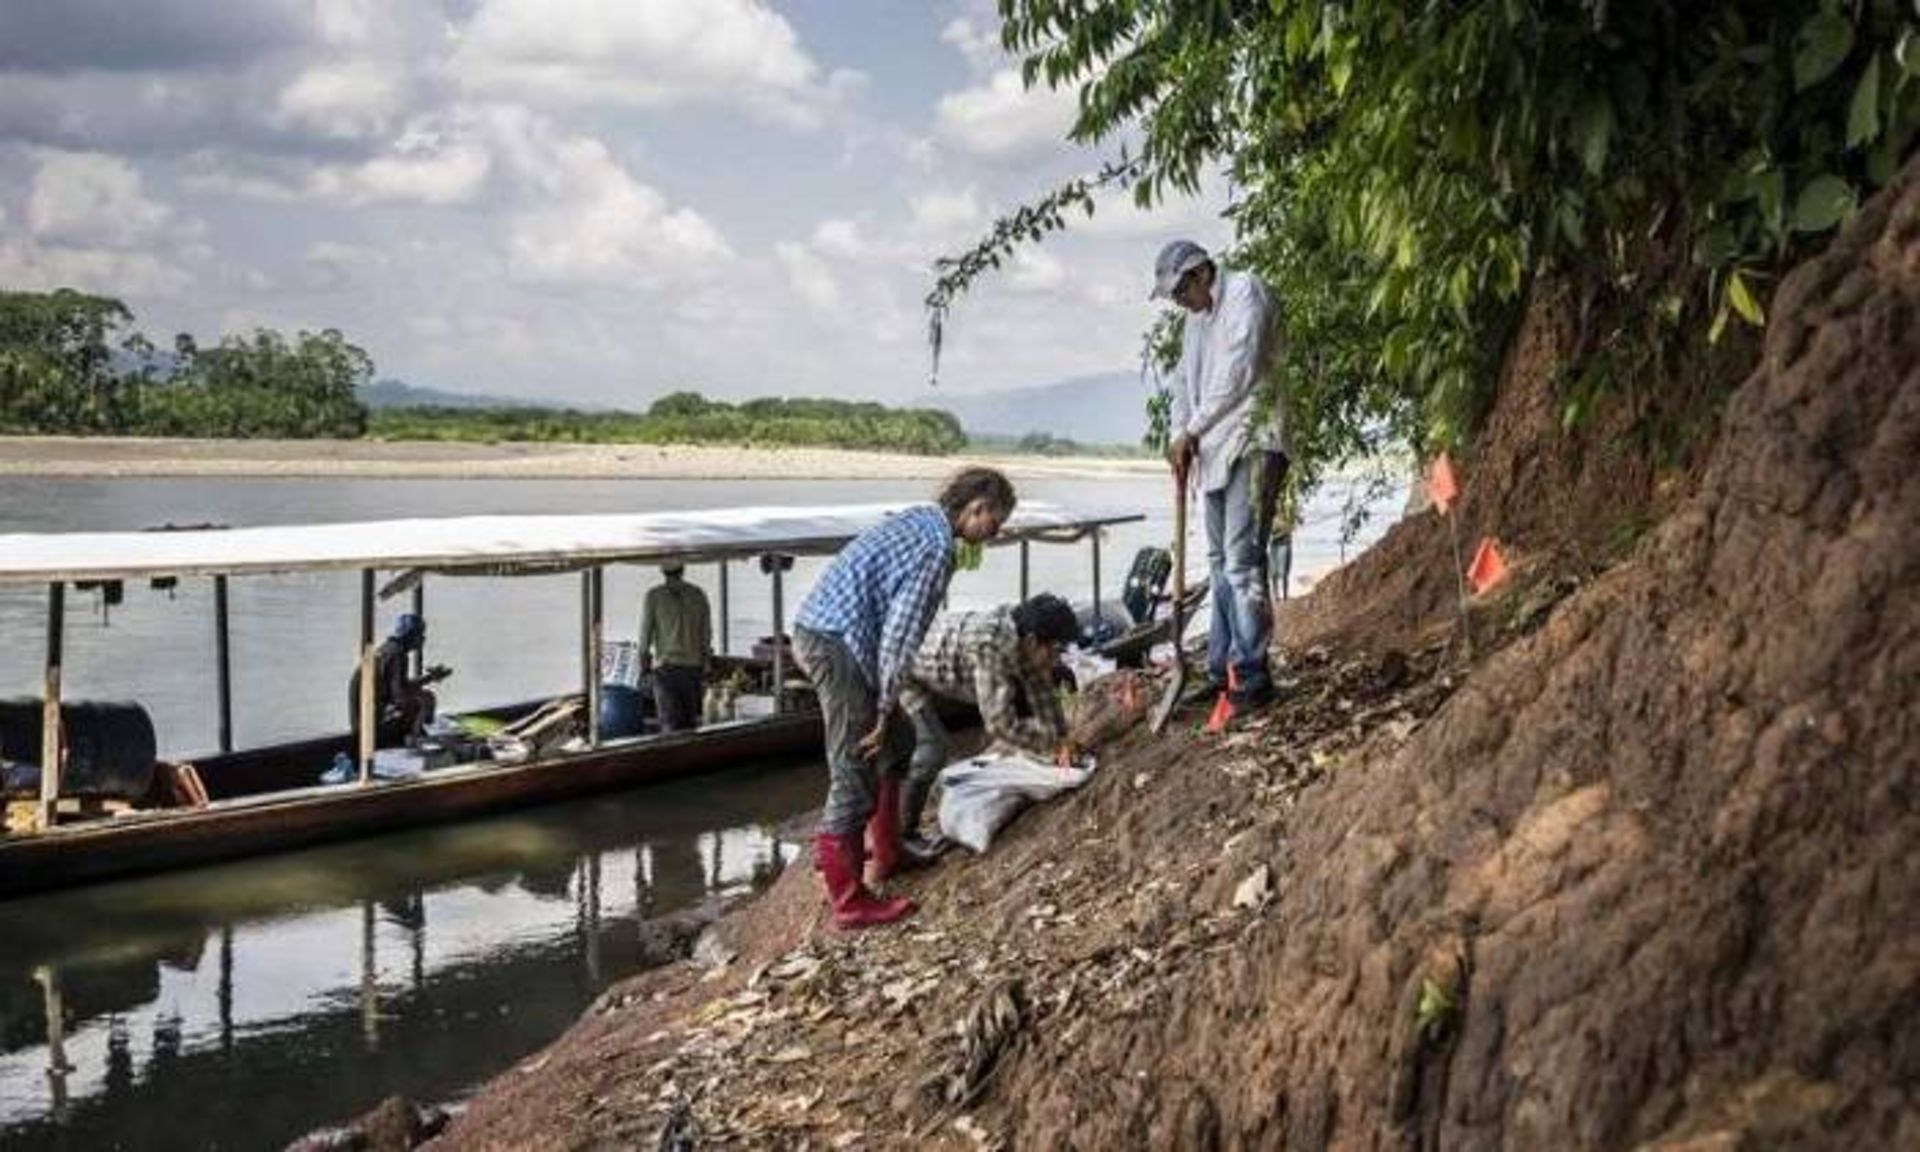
(263, 800)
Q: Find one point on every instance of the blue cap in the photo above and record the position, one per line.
(1176, 260)
(408, 628)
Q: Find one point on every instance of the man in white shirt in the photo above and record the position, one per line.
(1227, 436)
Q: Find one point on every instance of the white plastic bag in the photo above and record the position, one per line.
(980, 794)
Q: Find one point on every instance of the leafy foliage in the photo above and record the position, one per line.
(690, 418)
(1407, 171)
(70, 365)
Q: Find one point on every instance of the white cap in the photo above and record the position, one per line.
(1176, 260)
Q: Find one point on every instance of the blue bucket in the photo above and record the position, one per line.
(623, 711)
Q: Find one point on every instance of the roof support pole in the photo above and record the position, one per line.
(419, 655)
(50, 745)
(1026, 569)
(223, 662)
(779, 635)
(1094, 536)
(726, 616)
(591, 614)
(365, 751)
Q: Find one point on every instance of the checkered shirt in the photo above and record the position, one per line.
(975, 657)
(881, 590)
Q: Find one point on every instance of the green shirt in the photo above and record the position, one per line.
(675, 625)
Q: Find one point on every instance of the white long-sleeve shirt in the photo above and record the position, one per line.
(1226, 358)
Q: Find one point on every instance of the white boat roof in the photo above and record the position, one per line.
(499, 544)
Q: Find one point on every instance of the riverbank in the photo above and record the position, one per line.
(135, 458)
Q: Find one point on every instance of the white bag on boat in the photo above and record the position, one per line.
(980, 794)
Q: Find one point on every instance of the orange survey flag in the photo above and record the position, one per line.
(1489, 567)
(1442, 488)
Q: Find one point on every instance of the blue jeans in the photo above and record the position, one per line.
(1239, 518)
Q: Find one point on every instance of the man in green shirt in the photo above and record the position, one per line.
(676, 642)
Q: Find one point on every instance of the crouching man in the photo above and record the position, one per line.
(855, 635)
(997, 660)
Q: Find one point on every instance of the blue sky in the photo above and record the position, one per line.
(599, 200)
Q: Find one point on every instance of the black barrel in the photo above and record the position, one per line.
(110, 745)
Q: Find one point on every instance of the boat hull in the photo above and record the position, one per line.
(156, 841)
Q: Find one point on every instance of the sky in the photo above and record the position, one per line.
(586, 200)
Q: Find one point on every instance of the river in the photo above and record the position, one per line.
(237, 1006)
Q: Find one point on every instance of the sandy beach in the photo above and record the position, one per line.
(113, 457)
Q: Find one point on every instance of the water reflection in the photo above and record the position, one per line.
(237, 1006)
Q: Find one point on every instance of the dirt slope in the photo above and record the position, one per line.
(1646, 878)
(1659, 855)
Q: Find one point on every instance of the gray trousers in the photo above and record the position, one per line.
(847, 710)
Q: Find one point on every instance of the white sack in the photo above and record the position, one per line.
(980, 794)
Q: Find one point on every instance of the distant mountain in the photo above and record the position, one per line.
(399, 394)
(1108, 408)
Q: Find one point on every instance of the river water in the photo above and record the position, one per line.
(239, 1005)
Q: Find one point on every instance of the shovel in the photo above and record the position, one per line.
(1177, 683)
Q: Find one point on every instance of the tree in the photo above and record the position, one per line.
(1409, 169)
(57, 353)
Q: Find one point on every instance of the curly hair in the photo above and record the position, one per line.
(970, 484)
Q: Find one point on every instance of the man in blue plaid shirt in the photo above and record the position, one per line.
(855, 635)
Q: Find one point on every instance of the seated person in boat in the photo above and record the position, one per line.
(402, 705)
(676, 646)
(1002, 661)
(855, 636)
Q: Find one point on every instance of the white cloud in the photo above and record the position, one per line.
(939, 214)
(647, 53)
(93, 200)
(842, 239)
(1001, 119)
(979, 44)
(347, 100)
(591, 222)
(331, 266)
(1035, 271)
(809, 277)
(30, 267)
(437, 161)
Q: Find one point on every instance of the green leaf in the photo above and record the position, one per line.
(1823, 42)
(1906, 53)
(1743, 301)
(1593, 131)
(1824, 202)
(1863, 115)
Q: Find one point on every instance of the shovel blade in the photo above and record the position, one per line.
(1175, 689)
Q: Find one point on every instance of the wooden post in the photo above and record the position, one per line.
(1026, 557)
(591, 590)
(51, 747)
(223, 659)
(367, 663)
(779, 634)
(725, 617)
(55, 1014)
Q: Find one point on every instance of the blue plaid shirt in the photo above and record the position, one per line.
(880, 592)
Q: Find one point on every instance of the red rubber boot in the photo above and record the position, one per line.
(839, 859)
(883, 830)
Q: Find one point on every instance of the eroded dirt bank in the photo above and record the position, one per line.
(1644, 877)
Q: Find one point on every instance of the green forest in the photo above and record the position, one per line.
(689, 418)
(74, 365)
